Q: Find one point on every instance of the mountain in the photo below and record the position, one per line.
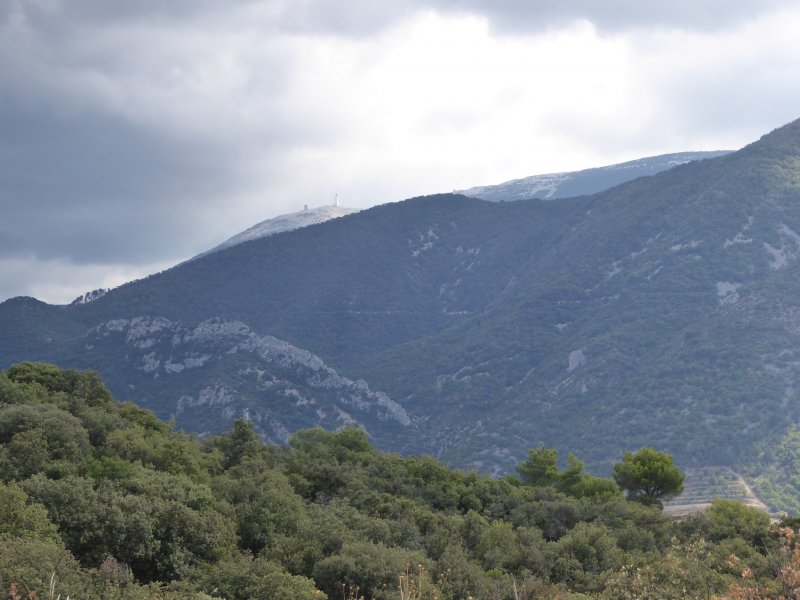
(589, 181)
(548, 186)
(662, 312)
(281, 223)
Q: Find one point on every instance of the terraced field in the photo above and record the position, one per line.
(708, 483)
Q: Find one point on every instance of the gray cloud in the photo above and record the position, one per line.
(130, 131)
(365, 17)
(114, 146)
(355, 17)
(80, 184)
(611, 15)
(61, 281)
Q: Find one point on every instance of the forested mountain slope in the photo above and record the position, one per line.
(661, 312)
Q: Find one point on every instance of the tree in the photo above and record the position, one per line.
(582, 556)
(264, 504)
(648, 476)
(20, 518)
(241, 441)
(241, 576)
(371, 568)
(541, 468)
(730, 518)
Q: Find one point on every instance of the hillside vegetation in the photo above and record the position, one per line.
(661, 313)
(100, 499)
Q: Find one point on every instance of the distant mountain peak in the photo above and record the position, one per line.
(287, 222)
(550, 186)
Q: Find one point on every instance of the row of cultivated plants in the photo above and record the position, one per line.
(100, 499)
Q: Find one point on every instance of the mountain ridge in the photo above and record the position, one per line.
(551, 186)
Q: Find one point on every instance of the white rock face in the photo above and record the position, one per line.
(576, 359)
(779, 257)
(788, 250)
(726, 292)
(89, 296)
(689, 245)
(173, 348)
(217, 396)
(142, 331)
(616, 267)
(424, 242)
(739, 238)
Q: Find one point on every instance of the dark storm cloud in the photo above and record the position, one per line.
(106, 154)
(125, 126)
(93, 187)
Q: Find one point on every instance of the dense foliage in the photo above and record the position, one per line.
(102, 500)
(648, 476)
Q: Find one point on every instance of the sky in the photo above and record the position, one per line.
(134, 135)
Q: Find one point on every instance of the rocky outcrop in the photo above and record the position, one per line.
(227, 371)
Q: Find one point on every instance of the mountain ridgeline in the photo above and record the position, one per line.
(662, 312)
(552, 186)
(281, 223)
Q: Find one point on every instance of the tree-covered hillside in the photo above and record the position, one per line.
(102, 500)
(663, 312)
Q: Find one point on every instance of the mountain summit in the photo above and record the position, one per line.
(281, 223)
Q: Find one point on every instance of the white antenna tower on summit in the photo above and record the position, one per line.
(336, 200)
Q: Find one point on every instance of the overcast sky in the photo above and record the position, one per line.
(134, 135)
